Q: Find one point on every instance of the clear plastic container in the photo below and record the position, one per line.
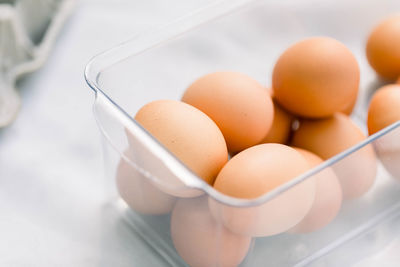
(245, 36)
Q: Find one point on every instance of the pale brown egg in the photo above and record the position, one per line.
(330, 136)
(255, 172)
(384, 110)
(188, 133)
(349, 109)
(383, 48)
(281, 126)
(240, 106)
(200, 240)
(316, 77)
(328, 197)
(139, 193)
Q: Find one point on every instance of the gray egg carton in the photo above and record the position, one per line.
(27, 32)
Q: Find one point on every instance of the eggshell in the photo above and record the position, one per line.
(383, 48)
(255, 172)
(384, 110)
(200, 240)
(164, 172)
(281, 126)
(350, 107)
(240, 106)
(139, 193)
(388, 150)
(328, 137)
(328, 197)
(188, 133)
(316, 77)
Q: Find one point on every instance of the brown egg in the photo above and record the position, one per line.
(139, 193)
(398, 80)
(316, 77)
(328, 197)
(281, 126)
(188, 133)
(383, 48)
(255, 172)
(349, 109)
(239, 105)
(384, 108)
(328, 137)
(200, 240)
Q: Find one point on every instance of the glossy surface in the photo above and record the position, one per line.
(316, 77)
(254, 172)
(383, 48)
(239, 105)
(188, 133)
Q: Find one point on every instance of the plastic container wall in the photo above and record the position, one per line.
(207, 228)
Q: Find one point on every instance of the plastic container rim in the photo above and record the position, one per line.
(151, 39)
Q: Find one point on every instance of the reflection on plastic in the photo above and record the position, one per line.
(328, 197)
(166, 180)
(139, 193)
(203, 242)
(357, 172)
(388, 150)
(273, 217)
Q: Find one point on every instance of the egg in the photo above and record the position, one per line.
(200, 240)
(328, 197)
(138, 192)
(398, 80)
(255, 172)
(330, 136)
(240, 106)
(281, 126)
(187, 133)
(388, 150)
(384, 110)
(316, 77)
(350, 107)
(383, 48)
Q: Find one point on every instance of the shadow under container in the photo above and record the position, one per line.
(184, 219)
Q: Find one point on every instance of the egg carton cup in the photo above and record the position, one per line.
(28, 29)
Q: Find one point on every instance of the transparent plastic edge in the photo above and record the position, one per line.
(191, 180)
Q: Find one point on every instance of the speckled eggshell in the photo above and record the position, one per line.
(188, 133)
